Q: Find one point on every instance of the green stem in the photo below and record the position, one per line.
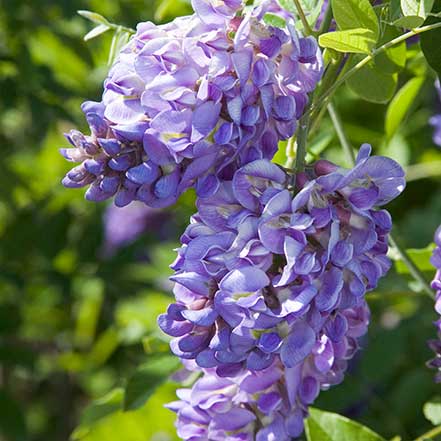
(326, 20)
(307, 28)
(122, 28)
(338, 125)
(413, 269)
(369, 58)
(335, 68)
(428, 436)
(290, 156)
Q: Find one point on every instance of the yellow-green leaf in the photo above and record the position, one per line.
(360, 41)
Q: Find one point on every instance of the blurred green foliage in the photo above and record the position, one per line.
(75, 326)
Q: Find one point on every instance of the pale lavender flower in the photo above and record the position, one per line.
(258, 267)
(435, 345)
(187, 103)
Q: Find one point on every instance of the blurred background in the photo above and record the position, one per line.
(78, 308)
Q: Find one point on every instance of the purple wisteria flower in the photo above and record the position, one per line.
(188, 103)
(270, 404)
(435, 345)
(435, 121)
(260, 270)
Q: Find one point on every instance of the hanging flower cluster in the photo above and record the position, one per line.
(187, 103)
(266, 279)
(435, 344)
(271, 277)
(270, 404)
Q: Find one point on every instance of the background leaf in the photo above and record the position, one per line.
(147, 378)
(430, 42)
(372, 84)
(401, 103)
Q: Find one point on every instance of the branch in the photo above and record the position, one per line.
(308, 30)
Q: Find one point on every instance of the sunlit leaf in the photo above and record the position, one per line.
(432, 410)
(358, 40)
(352, 14)
(327, 426)
(414, 13)
(110, 403)
(420, 256)
(151, 422)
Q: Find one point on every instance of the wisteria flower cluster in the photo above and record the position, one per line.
(187, 103)
(272, 272)
(435, 344)
(267, 279)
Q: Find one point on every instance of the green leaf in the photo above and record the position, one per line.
(327, 426)
(289, 6)
(415, 12)
(372, 84)
(94, 17)
(358, 40)
(430, 43)
(274, 20)
(95, 32)
(419, 8)
(409, 22)
(352, 14)
(432, 410)
(110, 403)
(400, 105)
(152, 422)
(147, 378)
(393, 59)
(420, 256)
(394, 10)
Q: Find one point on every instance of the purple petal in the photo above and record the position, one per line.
(204, 120)
(145, 173)
(298, 344)
(234, 419)
(247, 279)
(328, 294)
(202, 317)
